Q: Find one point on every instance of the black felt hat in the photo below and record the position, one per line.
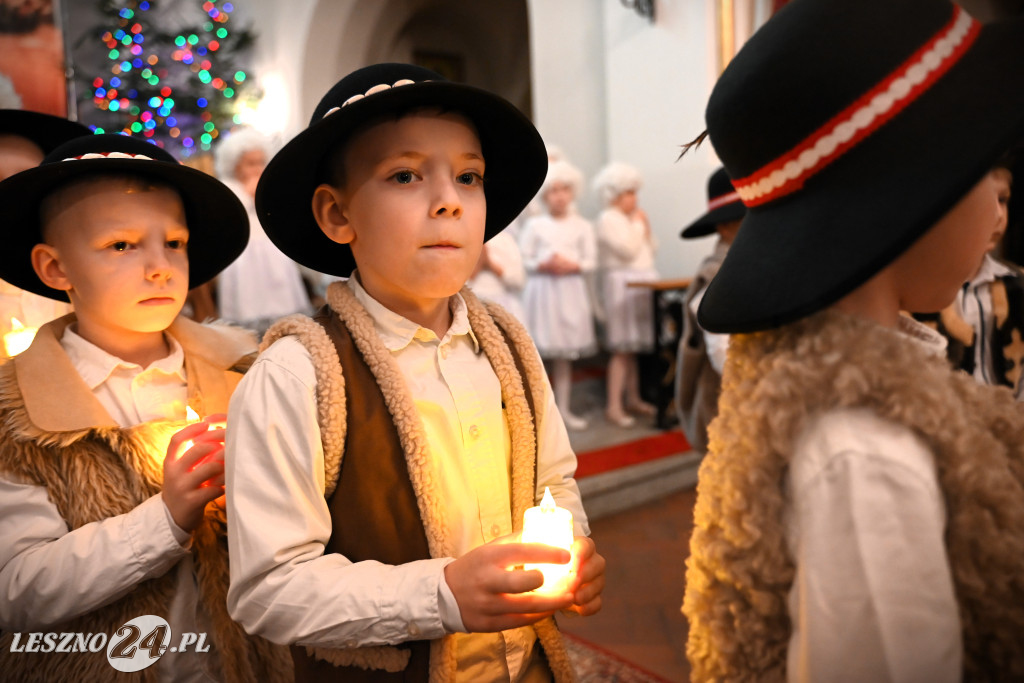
(513, 151)
(724, 205)
(46, 131)
(849, 128)
(218, 223)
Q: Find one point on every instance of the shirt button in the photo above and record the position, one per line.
(474, 432)
(495, 530)
(444, 352)
(414, 630)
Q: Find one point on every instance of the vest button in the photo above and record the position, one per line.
(474, 432)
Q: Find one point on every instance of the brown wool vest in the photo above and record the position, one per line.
(373, 488)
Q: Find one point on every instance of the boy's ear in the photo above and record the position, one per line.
(46, 263)
(330, 212)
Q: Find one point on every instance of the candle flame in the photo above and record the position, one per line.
(191, 415)
(16, 324)
(19, 338)
(547, 503)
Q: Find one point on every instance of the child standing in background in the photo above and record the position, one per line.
(262, 284)
(500, 275)
(558, 248)
(626, 255)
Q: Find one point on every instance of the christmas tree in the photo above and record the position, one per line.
(170, 71)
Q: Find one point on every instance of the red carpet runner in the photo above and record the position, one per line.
(630, 453)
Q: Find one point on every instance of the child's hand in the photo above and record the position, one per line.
(589, 571)
(193, 474)
(491, 598)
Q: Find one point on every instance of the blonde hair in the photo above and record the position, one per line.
(232, 147)
(565, 173)
(615, 179)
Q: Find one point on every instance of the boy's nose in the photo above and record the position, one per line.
(447, 202)
(158, 267)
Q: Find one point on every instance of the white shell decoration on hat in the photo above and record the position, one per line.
(109, 155)
(381, 87)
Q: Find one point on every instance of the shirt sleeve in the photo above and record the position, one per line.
(503, 250)
(283, 586)
(49, 574)
(529, 245)
(556, 464)
(588, 247)
(873, 596)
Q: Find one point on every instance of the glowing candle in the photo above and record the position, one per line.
(19, 338)
(551, 525)
(191, 417)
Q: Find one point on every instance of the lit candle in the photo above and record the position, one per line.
(19, 338)
(191, 417)
(551, 525)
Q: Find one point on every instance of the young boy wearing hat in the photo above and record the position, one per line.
(701, 354)
(25, 138)
(392, 444)
(103, 497)
(860, 514)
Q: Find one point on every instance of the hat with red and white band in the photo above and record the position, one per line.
(849, 127)
(724, 206)
(217, 222)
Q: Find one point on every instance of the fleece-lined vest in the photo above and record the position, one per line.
(739, 572)
(93, 474)
(697, 382)
(1006, 347)
(382, 506)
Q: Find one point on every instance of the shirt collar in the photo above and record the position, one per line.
(990, 271)
(929, 340)
(96, 365)
(396, 331)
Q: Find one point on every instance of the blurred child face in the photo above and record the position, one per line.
(17, 154)
(558, 198)
(949, 254)
(412, 207)
(118, 247)
(1004, 184)
(626, 202)
(250, 165)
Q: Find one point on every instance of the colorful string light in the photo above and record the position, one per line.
(180, 92)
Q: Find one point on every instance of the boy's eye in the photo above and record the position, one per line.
(404, 177)
(119, 246)
(175, 244)
(469, 178)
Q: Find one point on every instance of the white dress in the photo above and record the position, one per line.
(626, 255)
(505, 289)
(558, 311)
(262, 284)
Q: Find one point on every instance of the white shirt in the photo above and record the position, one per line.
(49, 574)
(873, 596)
(624, 242)
(286, 589)
(715, 345)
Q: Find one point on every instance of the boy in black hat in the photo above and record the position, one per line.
(102, 492)
(25, 138)
(407, 424)
(701, 354)
(860, 513)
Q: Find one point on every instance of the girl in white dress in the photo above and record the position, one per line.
(262, 284)
(558, 248)
(500, 275)
(626, 255)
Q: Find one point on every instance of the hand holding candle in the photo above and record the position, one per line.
(551, 525)
(193, 471)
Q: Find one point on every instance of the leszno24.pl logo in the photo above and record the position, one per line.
(137, 644)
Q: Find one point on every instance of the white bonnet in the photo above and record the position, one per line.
(563, 172)
(616, 178)
(234, 145)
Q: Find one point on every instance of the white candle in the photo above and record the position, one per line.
(551, 525)
(19, 338)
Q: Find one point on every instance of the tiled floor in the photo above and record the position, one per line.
(645, 549)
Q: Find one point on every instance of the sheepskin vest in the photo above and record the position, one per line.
(95, 472)
(1006, 346)
(375, 435)
(697, 383)
(739, 571)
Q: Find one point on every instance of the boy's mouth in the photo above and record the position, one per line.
(442, 245)
(157, 301)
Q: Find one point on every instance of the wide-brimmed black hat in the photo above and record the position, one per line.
(513, 151)
(724, 205)
(46, 131)
(218, 223)
(849, 128)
